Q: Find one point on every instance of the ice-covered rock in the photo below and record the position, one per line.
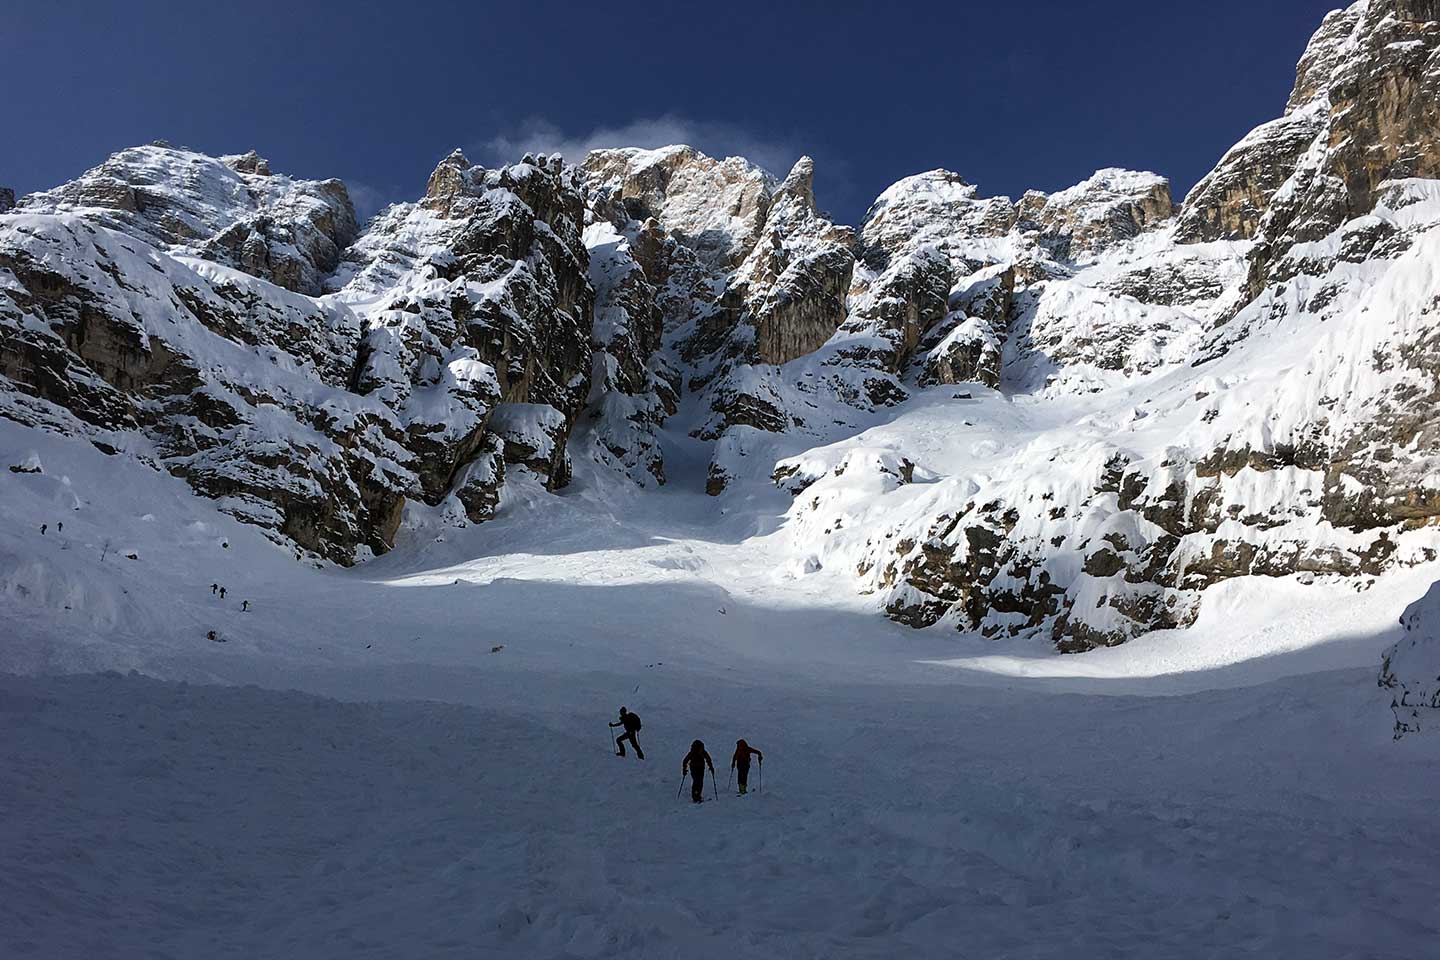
(1410, 670)
(534, 437)
(633, 388)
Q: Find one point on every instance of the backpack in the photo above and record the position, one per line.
(636, 726)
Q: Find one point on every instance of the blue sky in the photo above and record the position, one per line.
(1010, 95)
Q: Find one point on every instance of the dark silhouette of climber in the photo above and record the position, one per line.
(631, 723)
(695, 763)
(740, 763)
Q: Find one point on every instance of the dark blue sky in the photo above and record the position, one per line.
(1010, 94)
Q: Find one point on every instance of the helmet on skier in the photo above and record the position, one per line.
(741, 744)
(697, 746)
(623, 711)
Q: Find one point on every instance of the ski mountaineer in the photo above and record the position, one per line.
(740, 763)
(695, 763)
(631, 723)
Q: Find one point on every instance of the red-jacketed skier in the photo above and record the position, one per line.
(694, 764)
(740, 763)
(631, 723)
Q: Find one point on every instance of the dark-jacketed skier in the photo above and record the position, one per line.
(694, 764)
(740, 763)
(631, 723)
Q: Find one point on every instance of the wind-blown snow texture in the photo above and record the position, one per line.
(653, 429)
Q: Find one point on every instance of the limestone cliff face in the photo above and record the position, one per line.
(1363, 111)
(791, 288)
(746, 271)
(226, 380)
(315, 418)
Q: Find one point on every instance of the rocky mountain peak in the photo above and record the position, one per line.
(1111, 205)
(936, 208)
(248, 162)
(7, 199)
(799, 184)
(715, 207)
(447, 182)
(1362, 112)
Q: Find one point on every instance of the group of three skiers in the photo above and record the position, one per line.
(695, 761)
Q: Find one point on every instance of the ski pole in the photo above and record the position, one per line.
(762, 776)
(715, 783)
(729, 777)
(681, 789)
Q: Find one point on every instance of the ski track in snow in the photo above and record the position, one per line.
(1231, 790)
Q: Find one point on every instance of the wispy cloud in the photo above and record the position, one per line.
(368, 200)
(538, 135)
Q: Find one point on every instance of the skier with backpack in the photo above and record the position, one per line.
(694, 764)
(740, 763)
(631, 723)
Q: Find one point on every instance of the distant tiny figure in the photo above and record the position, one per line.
(244, 604)
(42, 528)
(631, 723)
(222, 593)
(740, 763)
(694, 764)
(214, 588)
(60, 527)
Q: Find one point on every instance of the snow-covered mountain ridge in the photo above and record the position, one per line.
(1067, 415)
